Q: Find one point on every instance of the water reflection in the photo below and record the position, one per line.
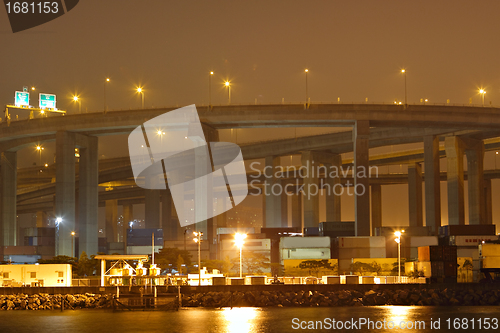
(240, 320)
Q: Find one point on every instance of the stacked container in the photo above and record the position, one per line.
(359, 247)
(438, 262)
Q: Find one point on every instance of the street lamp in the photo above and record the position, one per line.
(482, 92)
(404, 72)
(239, 240)
(198, 237)
(398, 240)
(228, 86)
(210, 90)
(77, 99)
(105, 105)
(141, 91)
(72, 243)
(307, 90)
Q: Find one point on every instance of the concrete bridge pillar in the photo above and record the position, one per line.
(111, 221)
(432, 183)
(310, 189)
(361, 171)
(152, 209)
(128, 216)
(272, 193)
(475, 181)
(88, 214)
(455, 176)
(488, 203)
(333, 203)
(284, 205)
(376, 199)
(296, 201)
(41, 218)
(8, 188)
(65, 192)
(415, 194)
(170, 225)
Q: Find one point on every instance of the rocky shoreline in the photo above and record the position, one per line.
(54, 302)
(422, 297)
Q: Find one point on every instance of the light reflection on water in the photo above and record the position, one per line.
(236, 320)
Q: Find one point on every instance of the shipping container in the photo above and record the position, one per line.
(490, 262)
(450, 268)
(436, 253)
(437, 269)
(425, 266)
(472, 252)
(345, 265)
(409, 231)
(359, 242)
(489, 250)
(311, 231)
(337, 226)
(232, 231)
(424, 253)
(467, 229)
(417, 241)
(308, 253)
(250, 245)
(346, 253)
(471, 240)
(304, 242)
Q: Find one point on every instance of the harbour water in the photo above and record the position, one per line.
(243, 320)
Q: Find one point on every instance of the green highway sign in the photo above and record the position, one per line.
(47, 101)
(22, 98)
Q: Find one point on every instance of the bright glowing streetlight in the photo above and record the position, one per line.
(141, 91)
(77, 99)
(239, 240)
(482, 92)
(228, 86)
(404, 72)
(398, 240)
(198, 238)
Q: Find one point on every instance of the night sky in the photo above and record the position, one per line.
(353, 49)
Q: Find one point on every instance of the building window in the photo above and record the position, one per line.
(60, 274)
(33, 275)
(5, 275)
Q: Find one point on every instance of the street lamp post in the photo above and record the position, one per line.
(482, 92)
(228, 86)
(141, 91)
(105, 105)
(239, 240)
(72, 243)
(307, 88)
(210, 90)
(77, 99)
(398, 240)
(406, 101)
(198, 235)
(39, 149)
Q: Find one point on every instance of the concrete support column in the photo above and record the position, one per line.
(65, 191)
(376, 199)
(475, 182)
(455, 177)
(128, 216)
(8, 188)
(88, 214)
(170, 226)
(488, 203)
(415, 194)
(333, 203)
(432, 183)
(297, 210)
(284, 205)
(310, 190)
(41, 219)
(152, 209)
(112, 221)
(361, 170)
(273, 202)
